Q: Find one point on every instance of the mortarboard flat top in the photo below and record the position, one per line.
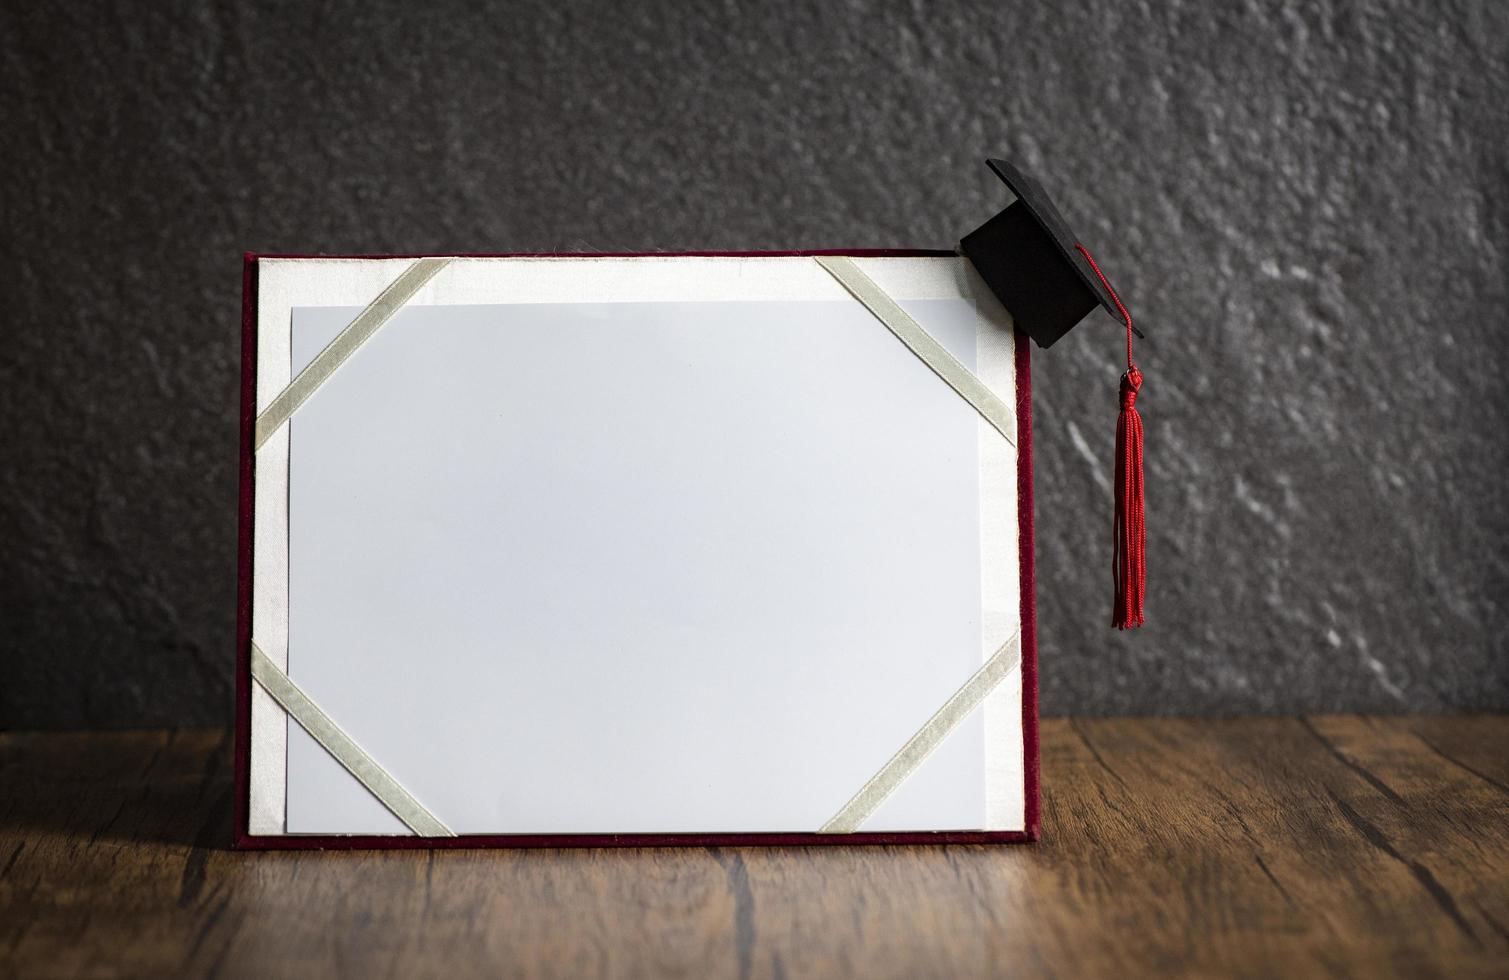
(1027, 255)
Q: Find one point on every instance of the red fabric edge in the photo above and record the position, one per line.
(861, 253)
(244, 548)
(241, 839)
(531, 841)
(1031, 752)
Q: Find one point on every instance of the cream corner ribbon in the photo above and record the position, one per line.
(921, 745)
(922, 343)
(346, 343)
(343, 749)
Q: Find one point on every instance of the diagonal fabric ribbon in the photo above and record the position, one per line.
(356, 333)
(921, 745)
(921, 343)
(345, 751)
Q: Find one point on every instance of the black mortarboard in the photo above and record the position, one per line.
(1030, 260)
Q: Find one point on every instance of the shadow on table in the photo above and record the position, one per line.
(164, 787)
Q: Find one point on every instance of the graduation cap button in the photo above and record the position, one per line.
(1035, 265)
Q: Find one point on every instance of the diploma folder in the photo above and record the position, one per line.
(595, 550)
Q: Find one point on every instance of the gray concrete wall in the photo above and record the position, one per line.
(1305, 204)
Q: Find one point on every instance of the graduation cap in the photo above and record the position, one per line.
(1047, 281)
(1035, 265)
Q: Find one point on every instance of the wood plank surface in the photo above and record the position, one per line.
(1323, 846)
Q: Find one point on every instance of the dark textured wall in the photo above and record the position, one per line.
(1305, 204)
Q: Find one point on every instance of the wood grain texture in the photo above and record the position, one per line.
(1339, 846)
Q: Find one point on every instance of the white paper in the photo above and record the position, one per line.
(635, 567)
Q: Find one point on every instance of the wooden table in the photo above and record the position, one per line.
(1259, 847)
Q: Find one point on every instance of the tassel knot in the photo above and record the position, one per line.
(1130, 383)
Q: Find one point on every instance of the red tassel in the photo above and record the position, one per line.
(1129, 561)
(1129, 553)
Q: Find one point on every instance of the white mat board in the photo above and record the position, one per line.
(666, 565)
